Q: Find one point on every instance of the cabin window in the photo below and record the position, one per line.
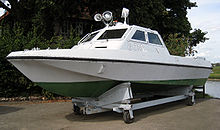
(139, 35)
(154, 39)
(112, 34)
(89, 37)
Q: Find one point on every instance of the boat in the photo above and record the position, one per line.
(119, 53)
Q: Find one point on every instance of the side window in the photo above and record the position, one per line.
(154, 39)
(139, 35)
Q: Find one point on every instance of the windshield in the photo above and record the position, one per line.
(89, 37)
(112, 34)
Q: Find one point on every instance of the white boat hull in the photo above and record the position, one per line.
(56, 70)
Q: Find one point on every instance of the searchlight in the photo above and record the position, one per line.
(98, 17)
(107, 17)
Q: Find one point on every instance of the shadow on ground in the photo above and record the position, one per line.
(139, 114)
(146, 112)
(9, 109)
(105, 116)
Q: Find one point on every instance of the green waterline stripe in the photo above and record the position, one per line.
(195, 82)
(79, 89)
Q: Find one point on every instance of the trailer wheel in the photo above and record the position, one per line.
(127, 117)
(76, 110)
(190, 101)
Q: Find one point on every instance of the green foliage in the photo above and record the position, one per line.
(216, 64)
(181, 45)
(61, 42)
(12, 82)
(199, 95)
(216, 69)
(216, 73)
(214, 76)
(47, 94)
(197, 36)
(177, 45)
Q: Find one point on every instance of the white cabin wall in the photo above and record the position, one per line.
(141, 46)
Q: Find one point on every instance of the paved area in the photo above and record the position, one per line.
(205, 115)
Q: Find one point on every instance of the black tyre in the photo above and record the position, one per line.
(189, 101)
(76, 110)
(127, 118)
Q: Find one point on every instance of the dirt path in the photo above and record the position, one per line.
(58, 115)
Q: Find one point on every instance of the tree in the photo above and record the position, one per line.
(27, 26)
(43, 14)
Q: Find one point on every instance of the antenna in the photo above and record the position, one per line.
(124, 14)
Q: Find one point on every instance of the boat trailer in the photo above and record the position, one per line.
(120, 99)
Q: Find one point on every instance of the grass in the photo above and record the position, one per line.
(200, 95)
(216, 73)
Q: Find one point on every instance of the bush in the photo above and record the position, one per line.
(12, 82)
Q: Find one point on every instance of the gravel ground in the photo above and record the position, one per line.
(58, 115)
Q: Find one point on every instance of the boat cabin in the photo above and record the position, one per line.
(125, 37)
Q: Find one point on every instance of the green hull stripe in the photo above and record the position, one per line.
(96, 88)
(79, 89)
(194, 82)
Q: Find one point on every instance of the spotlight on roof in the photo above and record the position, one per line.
(107, 16)
(98, 17)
